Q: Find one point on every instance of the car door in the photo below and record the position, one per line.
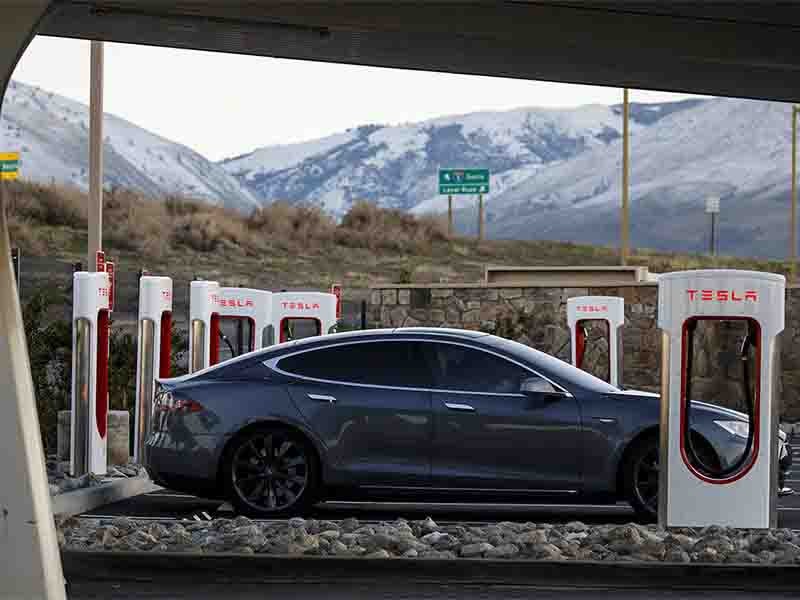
(500, 426)
(370, 404)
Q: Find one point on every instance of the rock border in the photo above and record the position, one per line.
(425, 539)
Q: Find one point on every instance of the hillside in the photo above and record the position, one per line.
(51, 133)
(280, 246)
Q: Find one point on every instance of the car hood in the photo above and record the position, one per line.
(718, 411)
(725, 413)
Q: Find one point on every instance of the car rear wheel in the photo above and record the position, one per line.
(271, 472)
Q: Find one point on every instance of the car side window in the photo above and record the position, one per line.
(460, 368)
(384, 363)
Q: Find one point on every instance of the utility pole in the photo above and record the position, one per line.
(625, 159)
(95, 155)
(712, 208)
(480, 217)
(793, 216)
(450, 215)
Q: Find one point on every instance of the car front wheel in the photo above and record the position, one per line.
(641, 478)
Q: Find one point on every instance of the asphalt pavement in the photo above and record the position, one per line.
(378, 590)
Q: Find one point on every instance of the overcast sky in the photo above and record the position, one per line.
(224, 105)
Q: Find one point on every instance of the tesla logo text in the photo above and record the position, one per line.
(723, 295)
(232, 302)
(592, 309)
(300, 306)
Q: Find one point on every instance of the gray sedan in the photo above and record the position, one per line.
(414, 414)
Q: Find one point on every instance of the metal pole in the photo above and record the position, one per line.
(96, 154)
(625, 158)
(793, 216)
(713, 245)
(363, 314)
(480, 217)
(15, 261)
(450, 215)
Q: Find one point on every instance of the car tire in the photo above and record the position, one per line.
(640, 478)
(271, 472)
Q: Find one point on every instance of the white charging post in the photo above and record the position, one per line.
(250, 310)
(154, 351)
(693, 490)
(211, 307)
(304, 314)
(203, 324)
(90, 328)
(608, 310)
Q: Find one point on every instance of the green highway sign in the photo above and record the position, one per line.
(463, 181)
(9, 166)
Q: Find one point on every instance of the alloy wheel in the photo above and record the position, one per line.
(270, 471)
(645, 480)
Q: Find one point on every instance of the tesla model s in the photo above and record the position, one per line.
(415, 413)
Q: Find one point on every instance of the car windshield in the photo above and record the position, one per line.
(552, 366)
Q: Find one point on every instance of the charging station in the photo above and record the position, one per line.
(241, 318)
(299, 315)
(245, 321)
(698, 310)
(609, 313)
(90, 346)
(153, 352)
(203, 319)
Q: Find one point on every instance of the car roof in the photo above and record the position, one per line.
(386, 333)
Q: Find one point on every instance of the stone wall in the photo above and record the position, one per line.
(537, 316)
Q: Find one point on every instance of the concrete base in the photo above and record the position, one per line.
(118, 436)
(80, 501)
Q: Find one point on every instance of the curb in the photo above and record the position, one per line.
(80, 501)
(194, 569)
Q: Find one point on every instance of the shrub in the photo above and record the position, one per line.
(50, 353)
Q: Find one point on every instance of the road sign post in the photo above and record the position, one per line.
(450, 215)
(480, 217)
(15, 262)
(464, 182)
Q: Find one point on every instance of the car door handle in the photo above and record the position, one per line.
(322, 398)
(461, 407)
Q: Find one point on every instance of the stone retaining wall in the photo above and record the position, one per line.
(537, 316)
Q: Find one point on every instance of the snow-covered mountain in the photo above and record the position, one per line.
(397, 166)
(739, 150)
(51, 132)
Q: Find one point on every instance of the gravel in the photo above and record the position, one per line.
(60, 481)
(426, 539)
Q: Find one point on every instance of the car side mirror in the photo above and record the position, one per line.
(537, 385)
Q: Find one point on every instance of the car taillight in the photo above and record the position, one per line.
(178, 406)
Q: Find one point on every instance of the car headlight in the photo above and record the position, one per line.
(737, 428)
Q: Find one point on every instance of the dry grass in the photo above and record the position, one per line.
(368, 226)
(295, 245)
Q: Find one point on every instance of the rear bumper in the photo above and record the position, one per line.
(192, 471)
